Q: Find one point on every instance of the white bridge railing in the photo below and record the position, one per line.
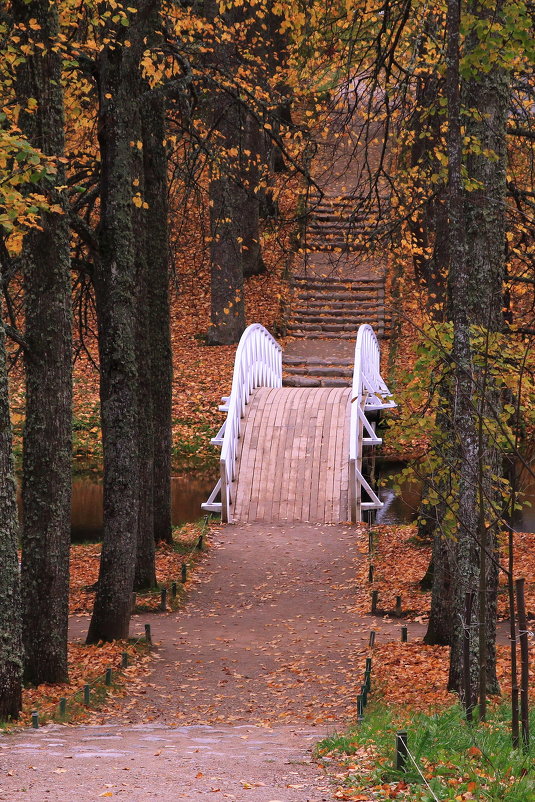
(369, 393)
(258, 363)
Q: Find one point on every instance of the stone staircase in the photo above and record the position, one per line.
(314, 371)
(334, 307)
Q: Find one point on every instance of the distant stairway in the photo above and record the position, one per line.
(332, 307)
(333, 224)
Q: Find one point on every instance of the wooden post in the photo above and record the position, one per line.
(524, 662)
(468, 704)
(372, 639)
(87, 695)
(401, 750)
(35, 720)
(124, 660)
(404, 632)
(109, 674)
(398, 609)
(360, 708)
(173, 590)
(184, 573)
(148, 636)
(62, 706)
(375, 599)
(370, 573)
(163, 600)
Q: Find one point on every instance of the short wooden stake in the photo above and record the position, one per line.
(148, 636)
(368, 667)
(124, 660)
(372, 639)
(404, 634)
(401, 750)
(370, 541)
(364, 694)
(109, 674)
(200, 542)
(184, 573)
(360, 708)
(163, 600)
(173, 590)
(62, 707)
(35, 720)
(370, 573)
(368, 681)
(87, 694)
(398, 609)
(375, 599)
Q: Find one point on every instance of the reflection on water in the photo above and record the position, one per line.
(188, 493)
(401, 507)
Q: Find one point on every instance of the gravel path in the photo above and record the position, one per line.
(262, 662)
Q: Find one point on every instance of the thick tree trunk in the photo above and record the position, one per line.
(10, 618)
(161, 360)
(46, 487)
(116, 299)
(477, 269)
(145, 574)
(253, 264)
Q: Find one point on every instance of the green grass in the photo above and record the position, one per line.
(455, 758)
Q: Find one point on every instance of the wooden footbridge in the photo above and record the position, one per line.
(295, 453)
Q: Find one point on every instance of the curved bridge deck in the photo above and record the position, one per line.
(292, 457)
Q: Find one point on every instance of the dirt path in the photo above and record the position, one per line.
(262, 662)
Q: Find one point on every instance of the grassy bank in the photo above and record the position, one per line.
(449, 759)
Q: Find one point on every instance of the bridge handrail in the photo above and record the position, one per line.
(369, 392)
(258, 363)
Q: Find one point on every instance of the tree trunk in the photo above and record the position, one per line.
(253, 264)
(10, 618)
(116, 300)
(477, 269)
(46, 487)
(145, 573)
(161, 359)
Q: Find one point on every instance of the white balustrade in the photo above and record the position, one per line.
(258, 363)
(369, 393)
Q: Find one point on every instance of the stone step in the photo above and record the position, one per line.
(327, 335)
(317, 371)
(315, 360)
(339, 279)
(307, 381)
(313, 327)
(334, 320)
(347, 297)
(323, 306)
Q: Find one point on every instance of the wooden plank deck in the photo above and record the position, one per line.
(293, 455)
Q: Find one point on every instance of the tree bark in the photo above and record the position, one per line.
(161, 360)
(477, 270)
(10, 617)
(116, 300)
(145, 573)
(46, 485)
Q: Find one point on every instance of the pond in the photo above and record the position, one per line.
(401, 507)
(188, 493)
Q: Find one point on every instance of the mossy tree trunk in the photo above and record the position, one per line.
(476, 275)
(161, 359)
(46, 486)
(116, 295)
(10, 617)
